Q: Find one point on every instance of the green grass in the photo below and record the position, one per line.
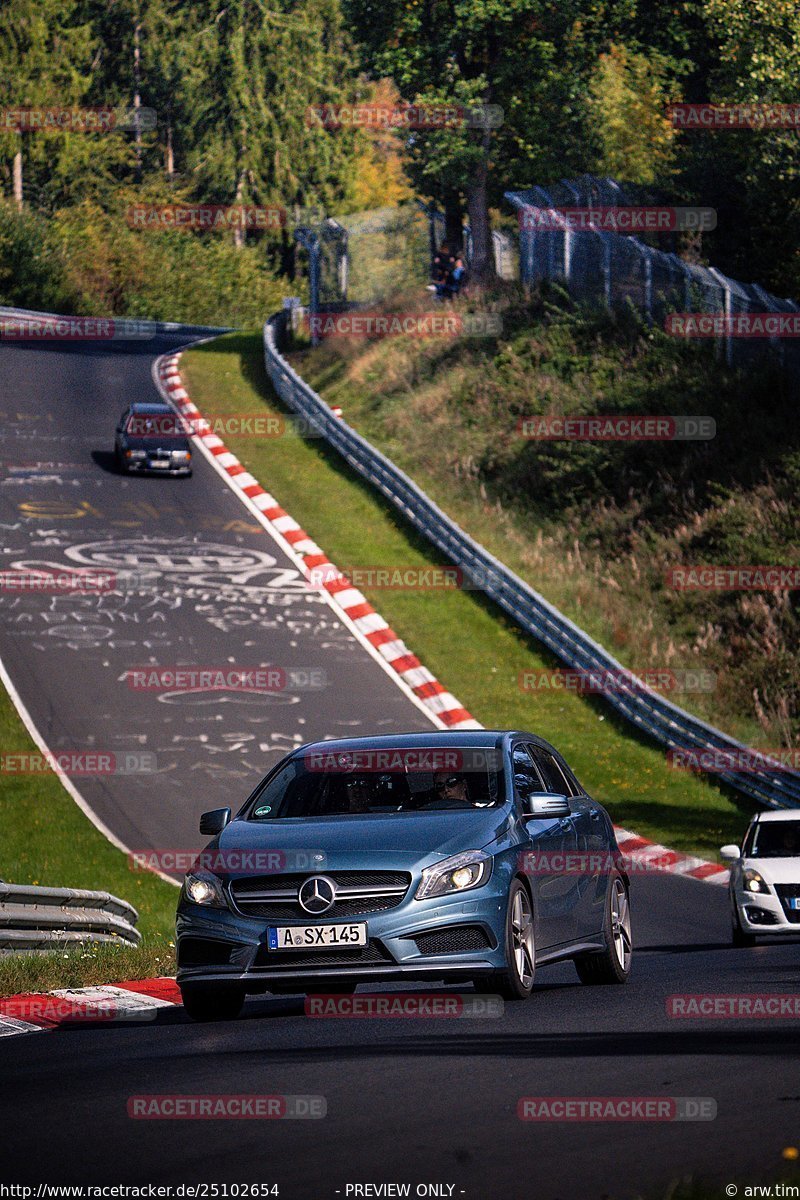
(596, 526)
(469, 645)
(47, 840)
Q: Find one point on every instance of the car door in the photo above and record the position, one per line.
(551, 842)
(594, 856)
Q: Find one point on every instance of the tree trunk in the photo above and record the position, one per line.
(170, 154)
(18, 180)
(481, 269)
(238, 230)
(137, 97)
(453, 220)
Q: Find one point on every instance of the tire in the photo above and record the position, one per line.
(516, 981)
(204, 1002)
(613, 964)
(739, 938)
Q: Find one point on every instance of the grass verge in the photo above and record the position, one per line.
(48, 841)
(467, 642)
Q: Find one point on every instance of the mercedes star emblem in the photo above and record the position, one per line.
(317, 894)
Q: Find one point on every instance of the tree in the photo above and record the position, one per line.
(45, 62)
(627, 100)
(529, 58)
(253, 76)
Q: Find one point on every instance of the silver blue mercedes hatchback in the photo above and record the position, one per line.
(472, 856)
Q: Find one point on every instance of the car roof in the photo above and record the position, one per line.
(479, 738)
(781, 814)
(154, 406)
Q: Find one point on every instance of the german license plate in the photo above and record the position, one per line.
(794, 902)
(315, 937)
(160, 464)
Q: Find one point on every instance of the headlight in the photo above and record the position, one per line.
(457, 874)
(182, 455)
(201, 887)
(136, 454)
(754, 883)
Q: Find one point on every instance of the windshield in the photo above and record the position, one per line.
(166, 424)
(341, 786)
(776, 839)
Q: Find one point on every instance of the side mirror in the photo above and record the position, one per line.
(730, 853)
(214, 821)
(539, 804)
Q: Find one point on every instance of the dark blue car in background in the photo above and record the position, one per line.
(459, 856)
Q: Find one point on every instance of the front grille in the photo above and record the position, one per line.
(786, 892)
(274, 897)
(278, 910)
(455, 940)
(358, 956)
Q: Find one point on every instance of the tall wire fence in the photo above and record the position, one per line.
(616, 269)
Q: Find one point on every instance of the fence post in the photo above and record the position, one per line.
(607, 255)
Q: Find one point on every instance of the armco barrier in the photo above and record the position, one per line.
(646, 710)
(44, 918)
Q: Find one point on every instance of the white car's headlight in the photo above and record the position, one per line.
(201, 887)
(457, 874)
(753, 882)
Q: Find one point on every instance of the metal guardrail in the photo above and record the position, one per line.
(44, 918)
(652, 714)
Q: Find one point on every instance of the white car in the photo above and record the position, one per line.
(765, 877)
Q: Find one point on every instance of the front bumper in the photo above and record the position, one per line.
(145, 466)
(766, 912)
(220, 945)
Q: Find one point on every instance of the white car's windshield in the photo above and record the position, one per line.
(776, 839)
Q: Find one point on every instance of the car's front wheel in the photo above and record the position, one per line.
(204, 1002)
(515, 982)
(613, 964)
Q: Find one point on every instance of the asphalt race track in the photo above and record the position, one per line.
(200, 583)
(417, 1101)
(420, 1101)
